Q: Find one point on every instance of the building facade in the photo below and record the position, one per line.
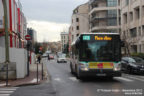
(64, 40)
(80, 21)
(104, 15)
(17, 28)
(132, 20)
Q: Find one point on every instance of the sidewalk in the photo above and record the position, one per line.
(31, 79)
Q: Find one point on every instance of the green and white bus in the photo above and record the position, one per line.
(96, 54)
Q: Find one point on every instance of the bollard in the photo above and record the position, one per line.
(42, 71)
(37, 73)
(7, 74)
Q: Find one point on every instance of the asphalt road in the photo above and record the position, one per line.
(65, 84)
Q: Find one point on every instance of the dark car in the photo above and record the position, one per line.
(132, 64)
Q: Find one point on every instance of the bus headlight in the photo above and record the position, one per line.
(117, 68)
(84, 69)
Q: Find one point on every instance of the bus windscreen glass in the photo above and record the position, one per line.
(100, 48)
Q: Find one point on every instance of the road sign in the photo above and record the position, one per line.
(28, 37)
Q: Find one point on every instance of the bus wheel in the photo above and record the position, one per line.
(78, 75)
(72, 72)
(71, 69)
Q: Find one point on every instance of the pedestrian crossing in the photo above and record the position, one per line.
(125, 78)
(7, 91)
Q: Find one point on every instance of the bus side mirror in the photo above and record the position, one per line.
(122, 44)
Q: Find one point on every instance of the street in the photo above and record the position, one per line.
(64, 84)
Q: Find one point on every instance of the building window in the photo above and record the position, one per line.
(131, 16)
(112, 17)
(127, 2)
(111, 3)
(140, 48)
(112, 22)
(77, 35)
(134, 48)
(77, 19)
(143, 30)
(133, 32)
(139, 31)
(125, 18)
(72, 38)
(112, 13)
(143, 11)
(137, 13)
(77, 27)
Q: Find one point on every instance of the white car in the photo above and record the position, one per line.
(62, 59)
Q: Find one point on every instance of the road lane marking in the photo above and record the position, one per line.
(140, 78)
(73, 78)
(136, 78)
(4, 94)
(1, 85)
(125, 79)
(7, 91)
(57, 79)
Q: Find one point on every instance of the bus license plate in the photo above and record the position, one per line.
(100, 74)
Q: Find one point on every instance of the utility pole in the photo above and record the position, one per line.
(6, 31)
(6, 38)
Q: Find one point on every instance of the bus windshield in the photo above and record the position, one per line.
(100, 51)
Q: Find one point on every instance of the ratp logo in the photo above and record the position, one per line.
(86, 37)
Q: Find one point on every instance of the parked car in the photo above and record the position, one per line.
(51, 57)
(62, 58)
(132, 64)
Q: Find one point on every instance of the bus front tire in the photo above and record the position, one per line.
(72, 72)
(78, 75)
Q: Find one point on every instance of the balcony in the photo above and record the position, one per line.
(96, 1)
(102, 18)
(103, 26)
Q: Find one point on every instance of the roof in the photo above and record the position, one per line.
(64, 33)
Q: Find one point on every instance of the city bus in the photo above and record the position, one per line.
(96, 54)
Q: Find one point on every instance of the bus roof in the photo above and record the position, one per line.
(100, 33)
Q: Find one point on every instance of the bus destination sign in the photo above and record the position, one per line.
(97, 38)
(103, 38)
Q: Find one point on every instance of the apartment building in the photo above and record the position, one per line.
(64, 40)
(17, 26)
(80, 21)
(104, 15)
(132, 24)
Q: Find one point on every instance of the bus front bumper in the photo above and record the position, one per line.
(100, 72)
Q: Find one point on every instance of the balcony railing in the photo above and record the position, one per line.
(95, 1)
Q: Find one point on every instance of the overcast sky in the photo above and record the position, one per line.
(49, 17)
